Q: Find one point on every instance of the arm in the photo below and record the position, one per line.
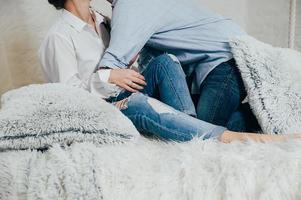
(133, 23)
(59, 62)
(128, 79)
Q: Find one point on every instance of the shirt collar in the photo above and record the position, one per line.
(73, 21)
(77, 23)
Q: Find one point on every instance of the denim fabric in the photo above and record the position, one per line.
(243, 120)
(220, 99)
(166, 82)
(168, 118)
(221, 94)
(153, 118)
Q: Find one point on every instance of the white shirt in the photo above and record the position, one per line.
(71, 52)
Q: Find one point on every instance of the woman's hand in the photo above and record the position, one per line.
(128, 79)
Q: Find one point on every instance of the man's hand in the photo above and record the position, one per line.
(128, 79)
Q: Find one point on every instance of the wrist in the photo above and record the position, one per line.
(104, 75)
(111, 77)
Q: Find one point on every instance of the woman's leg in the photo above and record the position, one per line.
(155, 118)
(166, 82)
(230, 136)
(158, 119)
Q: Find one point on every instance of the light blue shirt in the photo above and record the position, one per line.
(183, 28)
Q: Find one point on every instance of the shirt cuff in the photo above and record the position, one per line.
(111, 61)
(104, 75)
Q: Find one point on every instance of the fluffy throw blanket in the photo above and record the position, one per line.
(272, 77)
(38, 116)
(154, 170)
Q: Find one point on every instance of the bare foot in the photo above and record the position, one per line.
(229, 136)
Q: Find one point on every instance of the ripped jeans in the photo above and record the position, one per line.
(164, 108)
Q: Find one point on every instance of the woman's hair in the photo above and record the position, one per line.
(58, 4)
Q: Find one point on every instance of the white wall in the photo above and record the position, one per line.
(23, 24)
(298, 26)
(267, 20)
(235, 9)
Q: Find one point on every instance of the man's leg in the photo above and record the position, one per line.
(243, 120)
(166, 82)
(221, 94)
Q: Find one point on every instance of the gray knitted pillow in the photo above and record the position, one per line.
(272, 77)
(38, 116)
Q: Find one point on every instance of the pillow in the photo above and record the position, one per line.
(37, 116)
(272, 77)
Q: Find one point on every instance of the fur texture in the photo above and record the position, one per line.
(272, 78)
(154, 170)
(38, 116)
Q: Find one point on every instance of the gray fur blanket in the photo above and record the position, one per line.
(272, 77)
(151, 170)
(38, 116)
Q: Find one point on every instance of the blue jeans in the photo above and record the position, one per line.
(220, 99)
(221, 94)
(164, 107)
(166, 82)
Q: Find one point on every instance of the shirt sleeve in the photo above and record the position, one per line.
(59, 63)
(133, 24)
(104, 75)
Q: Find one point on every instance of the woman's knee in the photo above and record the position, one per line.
(136, 104)
(167, 61)
(140, 104)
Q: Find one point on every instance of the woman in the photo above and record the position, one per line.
(71, 52)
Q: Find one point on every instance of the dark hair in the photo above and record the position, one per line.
(58, 4)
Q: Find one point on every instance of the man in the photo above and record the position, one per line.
(199, 38)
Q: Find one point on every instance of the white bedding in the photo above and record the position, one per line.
(154, 170)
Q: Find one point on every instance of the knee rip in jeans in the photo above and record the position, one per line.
(160, 107)
(123, 104)
(156, 105)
